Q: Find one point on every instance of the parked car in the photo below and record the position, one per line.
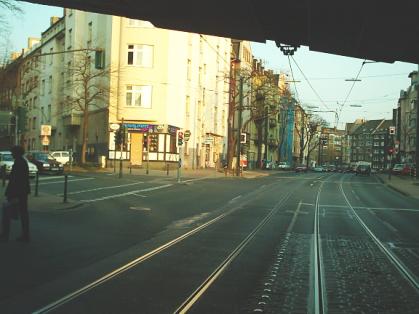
(301, 168)
(6, 159)
(44, 162)
(61, 156)
(363, 170)
(319, 169)
(403, 169)
(284, 166)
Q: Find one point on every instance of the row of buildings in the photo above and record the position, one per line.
(89, 72)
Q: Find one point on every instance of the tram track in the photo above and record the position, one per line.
(229, 208)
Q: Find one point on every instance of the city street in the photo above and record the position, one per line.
(283, 243)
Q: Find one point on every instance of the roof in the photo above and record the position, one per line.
(375, 30)
(368, 127)
(383, 127)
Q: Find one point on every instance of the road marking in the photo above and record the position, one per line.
(53, 177)
(369, 207)
(103, 188)
(125, 194)
(307, 204)
(140, 195)
(294, 218)
(198, 179)
(146, 209)
(234, 199)
(62, 181)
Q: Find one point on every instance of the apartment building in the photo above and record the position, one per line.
(153, 81)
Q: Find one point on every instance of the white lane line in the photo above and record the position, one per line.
(125, 194)
(234, 199)
(307, 204)
(140, 195)
(142, 209)
(192, 180)
(369, 207)
(104, 188)
(53, 177)
(62, 181)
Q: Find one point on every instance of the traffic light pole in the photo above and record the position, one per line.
(122, 147)
(239, 127)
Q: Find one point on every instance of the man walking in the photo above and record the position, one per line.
(17, 193)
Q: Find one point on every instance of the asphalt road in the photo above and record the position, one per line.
(285, 243)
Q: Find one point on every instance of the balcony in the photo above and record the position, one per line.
(72, 119)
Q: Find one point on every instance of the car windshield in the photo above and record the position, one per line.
(42, 156)
(7, 157)
(399, 166)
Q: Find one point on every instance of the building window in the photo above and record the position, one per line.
(140, 55)
(89, 33)
(138, 96)
(139, 23)
(43, 87)
(189, 70)
(34, 123)
(51, 56)
(188, 106)
(50, 84)
(49, 113)
(70, 38)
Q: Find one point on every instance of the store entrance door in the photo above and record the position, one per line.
(136, 149)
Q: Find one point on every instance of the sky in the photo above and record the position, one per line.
(321, 77)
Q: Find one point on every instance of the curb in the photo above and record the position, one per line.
(397, 190)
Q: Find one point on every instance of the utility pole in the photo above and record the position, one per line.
(302, 136)
(122, 147)
(265, 153)
(239, 126)
(417, 131)
(319, 152)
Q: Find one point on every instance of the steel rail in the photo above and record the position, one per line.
(399, 265)
(81, 291)
(199, 292)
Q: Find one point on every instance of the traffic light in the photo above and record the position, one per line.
(391, 150)
(179, 138)
(100, 59)
(119, 138)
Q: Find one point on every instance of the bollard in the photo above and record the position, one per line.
(65, 188)
(167, 169)
(130, 169)
(3, 174)
(36, 184)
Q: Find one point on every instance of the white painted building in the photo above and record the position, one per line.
(160, 81)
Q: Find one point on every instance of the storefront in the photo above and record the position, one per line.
(146, 142)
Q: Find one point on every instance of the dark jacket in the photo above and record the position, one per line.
(18, 186)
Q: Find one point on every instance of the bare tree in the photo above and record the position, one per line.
(314, 124)
(87, 89)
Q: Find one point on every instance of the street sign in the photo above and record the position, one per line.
(187, 135)
(392, 130)
(114, 126)
(45, 140)
(45, 130)
(243, 138)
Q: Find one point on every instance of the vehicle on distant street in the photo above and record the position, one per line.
(283, 165)
(61, 156)
(6, 159)
(363, 170)
(319, 169)
(301, 168)
(44, 162)
(402, 169)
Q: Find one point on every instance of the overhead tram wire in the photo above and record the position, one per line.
(352, 87)
(293, 79)
(311, 86)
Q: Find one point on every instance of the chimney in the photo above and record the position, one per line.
(32, 41)
(413, 78)
(53, 20)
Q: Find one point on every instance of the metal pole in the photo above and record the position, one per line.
(179, 166)
(148, 153)
(239, 127)
(121, 150)
(3, 174)
(36, 183)
(417, 131)
(65, 188)
(16, 130)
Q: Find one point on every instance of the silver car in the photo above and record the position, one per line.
(6, 159)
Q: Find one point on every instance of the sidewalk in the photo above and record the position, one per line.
(407, 186)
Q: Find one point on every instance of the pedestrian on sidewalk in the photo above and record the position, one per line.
(17, 192)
